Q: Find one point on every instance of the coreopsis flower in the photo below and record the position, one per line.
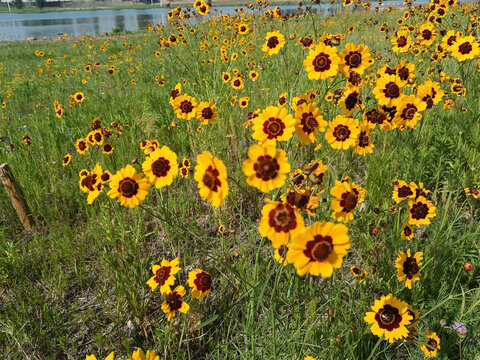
(472, 191)
(130, 187)
(364, 144)
(237, 84)
(280, 255)
(465, 48)
(140, 355)
(342, 132)
(420, 211)
(430, 93)
(175, 303)
(164, 275)
(407, 231)
(185, 107)
(408, 267)
(66, 159)
(319, 248)
(347, 197)
(415, 314)
(431, 345)
(273, 123)
(82, 146)
(274, 42)
(405, 70)
(350, 101)
(79, 97)
(177, 90)
(426, 34)
(206, 112)
(377, 116)
(402, 190)
(401, 42)
(309, 120)
(388, 90)
(92, 357)
(91, 183)
(355, 58)
(161, 167)
(322, 62)
(266, 167)
(409, 111)
(279, 222)
(211, 176)
(107, 148)
(389, 317)
(201, 283)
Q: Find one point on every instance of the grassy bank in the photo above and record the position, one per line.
(77, 285)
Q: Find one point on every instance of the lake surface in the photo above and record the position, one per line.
(49, 25)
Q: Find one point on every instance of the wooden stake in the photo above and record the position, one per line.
(16, 196)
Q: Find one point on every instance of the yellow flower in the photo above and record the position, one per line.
(274, 42)
(322, 62)
(409, 111)
(342, 132)
(319, 248)
(431, 345)
(201, 283)
(273, 123)
(364, 144)
(347, 196)
(92, 357)
(185, 107)
(389, 317)
(211, 175)
(388, 90)
(206, 112)
(408, 267)
(139, 355)
(129, 187)
(355, 58)
(279, 222)
(161, 167)
(309, 120)
(174, 303)
(164, 275)
(420, 211)
(266, 167)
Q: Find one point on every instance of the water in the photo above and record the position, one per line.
(49, 25)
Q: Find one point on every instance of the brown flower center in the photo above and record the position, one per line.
(160, 167)
(273, 127)
(319, 248)
(341, 132)
(465, 48)
(353, 59)
(410, 267)
(401, 41)
(207, 113)
(210, 179)
(282, 218)
(309, 123)
(128, 187)
(266, 167)
(162, 275)
(349, 201)
(273, 42)
(321, 62)
(174, 301)
(186, 106)
(392, 90)
(419, 211)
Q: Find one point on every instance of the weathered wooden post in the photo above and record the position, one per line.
(16, 196)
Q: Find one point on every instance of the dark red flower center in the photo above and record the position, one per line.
(210, 179)
(282, 218)
(162, 275)
(128, 187)
(273, 127)
(319, 248)
(272, 42)
(266, 167)
(321, 62)
(160, 167)
(341, 132)
(419, 211)
(353, 59)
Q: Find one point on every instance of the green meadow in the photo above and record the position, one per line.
(77, 284)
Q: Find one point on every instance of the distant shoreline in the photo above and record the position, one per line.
(129, 5)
